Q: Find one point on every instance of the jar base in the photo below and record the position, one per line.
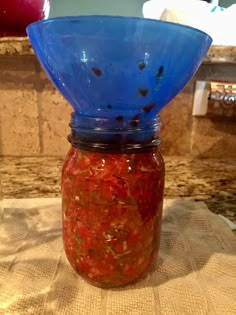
(139, 278)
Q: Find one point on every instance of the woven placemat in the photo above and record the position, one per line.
(195, 272)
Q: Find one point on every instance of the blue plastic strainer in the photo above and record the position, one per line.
(118, 67)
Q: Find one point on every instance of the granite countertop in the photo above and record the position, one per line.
(208, 180)
(20, 46)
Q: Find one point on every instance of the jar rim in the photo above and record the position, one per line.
(105, 124)
(114, 148)
(109, 135)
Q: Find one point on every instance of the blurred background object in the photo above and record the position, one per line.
(110, 7)
(16, 15)
(208, 17)
(101, 7)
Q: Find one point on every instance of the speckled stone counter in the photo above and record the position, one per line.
(211, 181)
(20, 46)
(15, 46)
(221, 54)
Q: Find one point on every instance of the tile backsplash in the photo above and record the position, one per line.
(34, 117)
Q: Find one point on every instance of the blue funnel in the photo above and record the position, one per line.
(111, 67)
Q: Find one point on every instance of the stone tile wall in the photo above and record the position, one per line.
(34, 117)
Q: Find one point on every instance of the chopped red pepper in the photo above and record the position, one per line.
(112, 208)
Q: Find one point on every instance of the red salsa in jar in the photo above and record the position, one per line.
(112, 210)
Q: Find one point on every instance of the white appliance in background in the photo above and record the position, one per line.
(218, 22)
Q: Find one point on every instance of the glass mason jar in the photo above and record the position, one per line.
(112, 191)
